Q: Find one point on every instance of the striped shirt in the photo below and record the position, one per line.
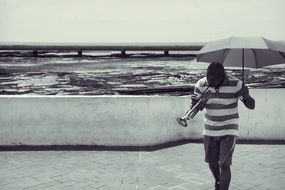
(221, 110)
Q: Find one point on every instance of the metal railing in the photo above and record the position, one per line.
(122, 47)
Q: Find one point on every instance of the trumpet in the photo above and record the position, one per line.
(191, 112)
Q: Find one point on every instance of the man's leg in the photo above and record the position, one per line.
(215, 169)
(211, 145)
(227, 145)
(225, 177)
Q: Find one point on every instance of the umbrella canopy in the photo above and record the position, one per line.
(252, 52)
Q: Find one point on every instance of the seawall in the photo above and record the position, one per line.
(125, 120)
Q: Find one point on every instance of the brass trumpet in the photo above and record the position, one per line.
(191, 112)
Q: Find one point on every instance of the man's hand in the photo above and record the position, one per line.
(243, 92)
(248, 101)
(194, 98)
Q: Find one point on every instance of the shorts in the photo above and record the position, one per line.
(219, 149)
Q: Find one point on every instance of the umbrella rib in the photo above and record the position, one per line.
(255, 58)
(223, 58)
(281, 55)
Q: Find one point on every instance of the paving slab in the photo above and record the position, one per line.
(260, 167)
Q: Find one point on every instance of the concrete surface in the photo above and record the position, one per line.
(255, 167)
(125, 120)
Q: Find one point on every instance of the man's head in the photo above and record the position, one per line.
(215, 74)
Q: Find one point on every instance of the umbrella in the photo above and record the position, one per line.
(251, 52)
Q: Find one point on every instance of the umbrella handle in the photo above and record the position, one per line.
(243, 67)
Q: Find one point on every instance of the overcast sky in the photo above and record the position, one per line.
(139, 20)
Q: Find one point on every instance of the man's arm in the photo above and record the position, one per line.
(194, 97)
(247, 100)
(197, 93)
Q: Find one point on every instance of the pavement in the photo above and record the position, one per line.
(181, 167)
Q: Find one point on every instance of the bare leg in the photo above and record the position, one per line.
(215, 169)
(225, 177)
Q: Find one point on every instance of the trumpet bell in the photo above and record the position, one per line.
(182, 122)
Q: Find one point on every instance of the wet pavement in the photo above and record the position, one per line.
(181, 167)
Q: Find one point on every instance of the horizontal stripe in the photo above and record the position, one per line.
(221, 123)
(230, 82)
(224, 95)
(220, 133)
(221, 112)
(230, 86)
(222, 101)
(221, 118)
(221, 90)
(228, 89)
(221, 106)
(222, 127)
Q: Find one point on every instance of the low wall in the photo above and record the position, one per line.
(125, 120)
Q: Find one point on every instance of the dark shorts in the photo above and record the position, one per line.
(219, 149)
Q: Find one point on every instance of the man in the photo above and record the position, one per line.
(221, 120)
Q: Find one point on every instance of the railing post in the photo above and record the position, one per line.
(123, 52)
(166, 52)
(35, 53)
(79, 53)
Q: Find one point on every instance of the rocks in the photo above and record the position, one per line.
(102, 76)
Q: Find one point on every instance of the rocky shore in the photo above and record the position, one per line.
(137, 74)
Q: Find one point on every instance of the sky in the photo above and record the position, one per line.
(139, 20)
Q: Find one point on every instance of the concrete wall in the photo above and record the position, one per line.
(267, 120)
(125, 120)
